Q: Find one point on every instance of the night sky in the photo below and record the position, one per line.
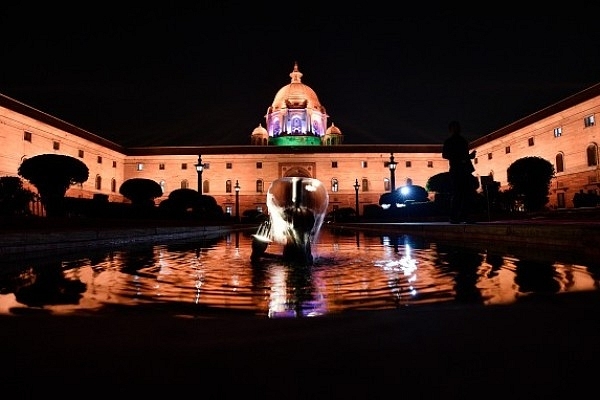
(203, 75)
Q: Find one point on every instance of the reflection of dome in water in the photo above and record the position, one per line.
(296, 95)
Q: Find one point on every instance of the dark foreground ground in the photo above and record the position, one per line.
(538, 348)
(534, 349)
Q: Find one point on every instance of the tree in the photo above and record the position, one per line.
(52, 175)
(529, 178)
(141, 192)
(181, 203)
(439, 183)
(14, 198)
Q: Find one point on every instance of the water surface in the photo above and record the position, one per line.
(353, 271)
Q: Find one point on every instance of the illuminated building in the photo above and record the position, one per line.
(298, 140)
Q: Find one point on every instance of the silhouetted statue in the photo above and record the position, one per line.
(464, 184)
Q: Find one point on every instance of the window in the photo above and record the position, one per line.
(507, 149)
(589, 121)
(205, 186)
(163, 185)
(363, 164)
(386, 184)
(558, 132)
(98, 182)
(592, 155)
(475, 161)
(334, 164)
(429, 164)
(228, 165)
(113, 185)
(99, 160)
(140, 166)
(530, 141)
(259, 186)
(560, 200)
(80, 153)
(184, 166)
(229, 210)
(184, 184)
(228, 186)
(489, 156)
(56, 145)
(27, 136)
(114, 164)
(365, 185)
(559, 163)
(259, 165)
(334, 185)
(408, 164)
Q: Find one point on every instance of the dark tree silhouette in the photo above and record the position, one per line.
(439, 183)
(181, 203)
(529, 178)
(52, 175)
(210, 209)
(14, 198)
(141, 192)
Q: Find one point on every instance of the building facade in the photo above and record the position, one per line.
(298, 140)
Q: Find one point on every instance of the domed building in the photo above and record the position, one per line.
(298, 140)
(296, 117)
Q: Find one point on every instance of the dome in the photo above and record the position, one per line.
(296, 95)
(333, 130)
(260, 131)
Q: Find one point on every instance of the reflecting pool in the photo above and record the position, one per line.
(352, 271)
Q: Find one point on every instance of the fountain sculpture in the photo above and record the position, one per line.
(297, 208)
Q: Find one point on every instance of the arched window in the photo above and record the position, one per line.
(365, 185)
(592, 155)
(98, 182)
(559, 163)
(259, 186)
(113, 185)
(163, 185)
(184, 184)
(206, 186)
(386, 184)
(334, 185)
(228, 186)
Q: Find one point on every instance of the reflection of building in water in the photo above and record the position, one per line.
(293, 293)
(402, 273)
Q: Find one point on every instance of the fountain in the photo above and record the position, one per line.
(297, 208)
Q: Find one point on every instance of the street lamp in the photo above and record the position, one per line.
(356, 186)
(392, 166)
(199, 169)
(237, 201)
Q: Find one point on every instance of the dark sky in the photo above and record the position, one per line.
(206, 76)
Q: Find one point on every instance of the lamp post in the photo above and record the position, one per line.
(356, 186)
(237, 201)
(199, 169)
(392, 166)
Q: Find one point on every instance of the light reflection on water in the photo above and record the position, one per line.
(353, 271)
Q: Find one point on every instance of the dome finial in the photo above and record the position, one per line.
(296, 75)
